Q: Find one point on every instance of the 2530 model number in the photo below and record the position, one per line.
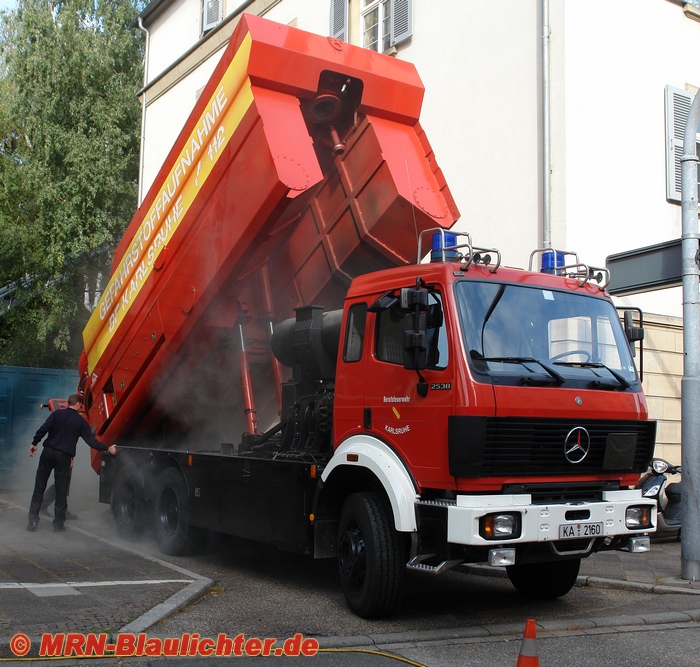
(569, 531)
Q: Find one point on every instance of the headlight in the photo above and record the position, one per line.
(638, 517)
(652, 491)
(500, 526)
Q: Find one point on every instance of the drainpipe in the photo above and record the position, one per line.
(143, 107)
(690, 384)
(546, 156)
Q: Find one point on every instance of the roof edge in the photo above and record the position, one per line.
(154, 9)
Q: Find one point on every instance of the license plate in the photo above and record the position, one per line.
(568, 531)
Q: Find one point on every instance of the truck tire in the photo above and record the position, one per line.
(128, 502)
(371, 558)
(171, 515)
(545, 580)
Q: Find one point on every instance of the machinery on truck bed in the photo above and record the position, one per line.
(431, 414)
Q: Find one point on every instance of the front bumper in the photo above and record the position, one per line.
(542, 523)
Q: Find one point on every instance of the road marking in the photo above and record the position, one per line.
(84, 584)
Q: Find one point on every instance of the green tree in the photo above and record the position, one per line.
(69, 141)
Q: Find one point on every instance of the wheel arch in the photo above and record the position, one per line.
(365, 463)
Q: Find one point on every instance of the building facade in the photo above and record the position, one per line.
(555, 122)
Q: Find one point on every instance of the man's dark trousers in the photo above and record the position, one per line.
(59, 462)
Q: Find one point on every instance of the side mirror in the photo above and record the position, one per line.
(415, 356)
(415, 327)
(414, 297)
(633, 333)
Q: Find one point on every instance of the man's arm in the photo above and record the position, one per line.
(39, 435)
(43, 430)
(89, 437)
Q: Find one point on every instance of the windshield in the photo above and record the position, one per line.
(531, 335)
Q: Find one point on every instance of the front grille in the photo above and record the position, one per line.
(506, 446)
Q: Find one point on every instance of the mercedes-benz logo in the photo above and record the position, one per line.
(577, 445)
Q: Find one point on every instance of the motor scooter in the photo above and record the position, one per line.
(668, 498)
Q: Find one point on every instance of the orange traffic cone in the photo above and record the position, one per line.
(528, 648)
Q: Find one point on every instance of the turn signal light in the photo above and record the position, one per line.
(638, 517)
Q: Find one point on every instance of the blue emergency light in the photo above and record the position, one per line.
(446, 252)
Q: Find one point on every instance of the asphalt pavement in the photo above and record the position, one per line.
(79, 582)
(84, 583)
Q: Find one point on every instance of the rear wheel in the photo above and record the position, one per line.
(128, 503)
(371, 558)
(171, 515)
(545, 580)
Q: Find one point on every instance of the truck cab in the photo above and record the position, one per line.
(509, 405)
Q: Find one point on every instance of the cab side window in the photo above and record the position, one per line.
(391, 328)
(437, 333)
(390, 335)
(355, 332)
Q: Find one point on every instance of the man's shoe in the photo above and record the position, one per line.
(32, 526)
(70, 516)
(59, 528)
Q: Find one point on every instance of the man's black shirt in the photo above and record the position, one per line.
(64, 427)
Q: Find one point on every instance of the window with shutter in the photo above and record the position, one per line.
(677, 109)
(339, 19)
(401, 21)
(211, 14)
(382, 23)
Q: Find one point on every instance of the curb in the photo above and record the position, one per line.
(599, 582)
(555, 627)
(173, 604)
(683, 588)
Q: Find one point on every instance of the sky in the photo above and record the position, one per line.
(8, 4)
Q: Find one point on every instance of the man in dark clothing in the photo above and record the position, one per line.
(63, 427)
(50, 497)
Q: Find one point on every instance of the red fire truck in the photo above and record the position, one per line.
(277, 360)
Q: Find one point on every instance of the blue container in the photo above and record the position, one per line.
(551, 261)
(437, 252)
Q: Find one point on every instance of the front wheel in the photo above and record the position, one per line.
(171, 515)
(371, 558)
(545, 580)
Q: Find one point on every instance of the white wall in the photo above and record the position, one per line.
(167, 116)
(480, 113)
(309, 15)
(173, 33)
(619, 57)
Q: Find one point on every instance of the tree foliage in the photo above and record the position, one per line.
(69, 140)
